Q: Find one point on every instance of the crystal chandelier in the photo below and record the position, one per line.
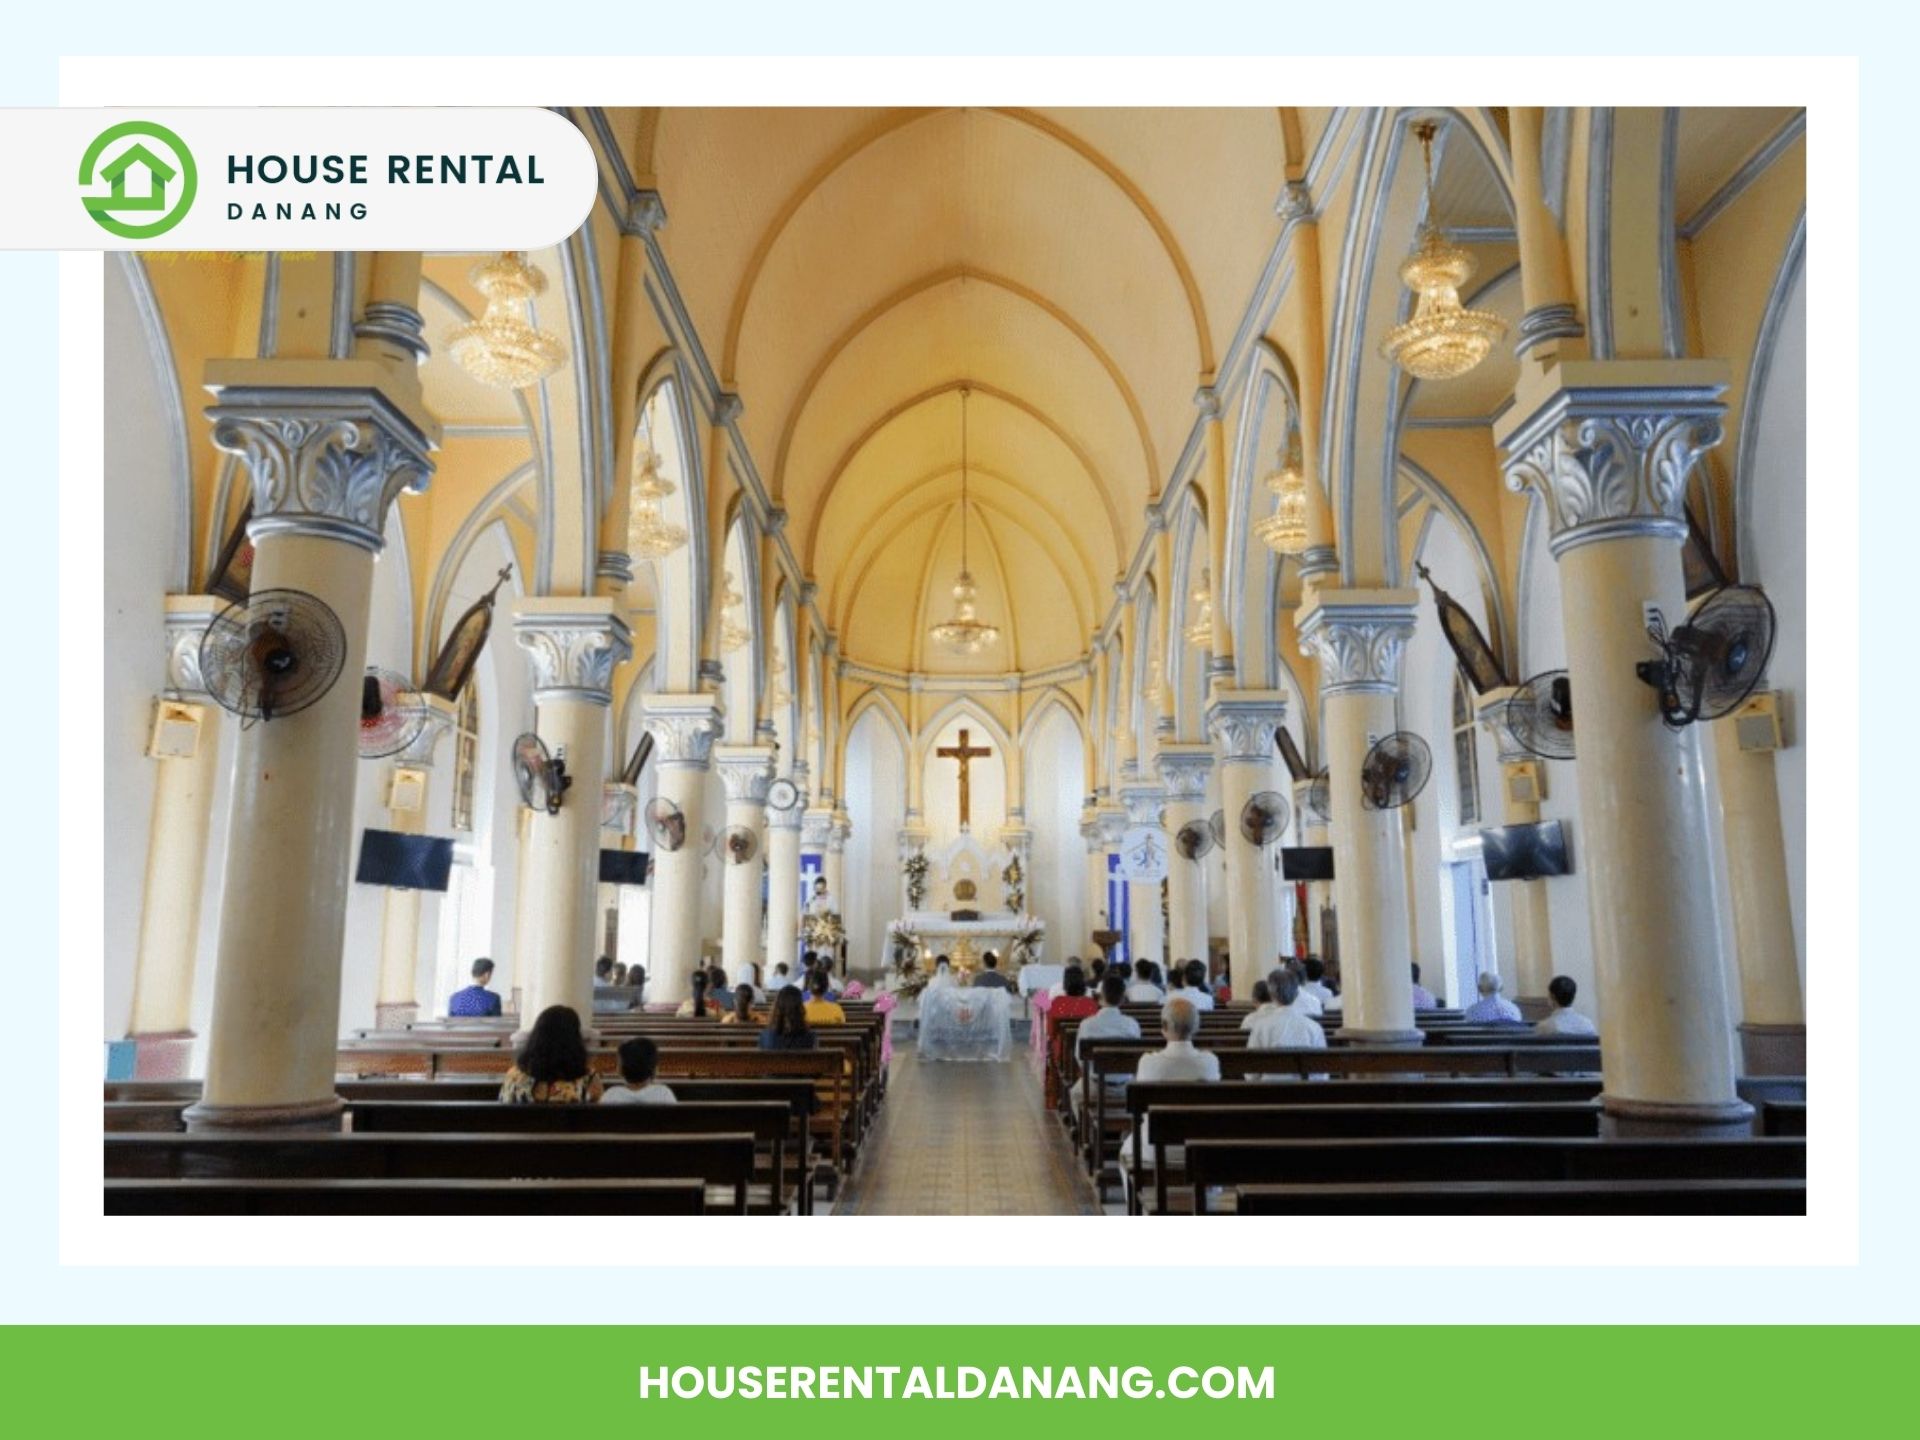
(1442, 339)
(1285, 531)
(1200, 633)
(501, 348)
(733, 632)
(964, 633)
(649, 535)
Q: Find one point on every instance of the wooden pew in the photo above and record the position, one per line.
(1172, 1125)
(1228, 1164)
(1530, 1197)
(406, 1197)
(724, 1161)
(1783, 1117)
(767, 1121)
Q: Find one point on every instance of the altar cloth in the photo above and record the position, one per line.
(959, 1022)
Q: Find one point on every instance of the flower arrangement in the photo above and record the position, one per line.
(916, 868)
(903, 944)
(1026, 946)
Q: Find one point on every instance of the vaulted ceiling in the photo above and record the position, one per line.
(1079, 271)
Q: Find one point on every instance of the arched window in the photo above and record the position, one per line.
(1466, 757)
(466, 755)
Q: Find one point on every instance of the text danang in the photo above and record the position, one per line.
(401, 170)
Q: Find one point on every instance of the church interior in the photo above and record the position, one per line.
(1317, 545)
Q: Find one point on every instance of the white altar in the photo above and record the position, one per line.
(967, 941)
(965, 1022)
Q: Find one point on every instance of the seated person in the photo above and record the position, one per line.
(787, 1027)
(821, 1008)
(1492, 1007)
(742, 1011)
(1286, 1026)
(1308, 1003)
(476, 1000)
(603, 970)
(782, 977)
(1109, 1022)
(1179, 1059)
(1073, 1002)
(1197, 992)
(552, 1067)
(990, 977)
(637, 982)
(1315, 983)
(619, 973)
(1096, 972)
(695, 1007)
(639, 1059)
(1143, 991)
(1422, 997)
(1262, 1004)
(1563, 1019)
(719, 993)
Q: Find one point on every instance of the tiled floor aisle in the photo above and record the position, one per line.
(960, 1139)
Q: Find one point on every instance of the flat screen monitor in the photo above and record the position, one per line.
(1306, 862)
(404, 862)
(623, 867)
(1525, 852)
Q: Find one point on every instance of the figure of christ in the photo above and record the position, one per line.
(966, 753)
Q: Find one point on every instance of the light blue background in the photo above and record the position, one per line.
(1882, 1287)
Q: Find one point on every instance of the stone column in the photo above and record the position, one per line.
(1111, 820)
(396, 1002)
(1242, 724)
(1183, 771)
(574, 643)
(835, 865)
(1359, 637)
(747, 772)
(1609, 446)
(1521, 771)
(683, 728)
(783, 886)
(1146, 930)
(327, 445)
(1312, 831)
(1096, 875)
(1773, 1016)
(185, 773)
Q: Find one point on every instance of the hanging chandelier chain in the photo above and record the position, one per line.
(963, 478)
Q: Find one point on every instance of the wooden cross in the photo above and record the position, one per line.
(966, 753)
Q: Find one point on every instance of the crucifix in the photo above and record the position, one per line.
(966, 753)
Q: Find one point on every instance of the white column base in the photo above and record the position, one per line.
(1622, 1119)
(312, 1115)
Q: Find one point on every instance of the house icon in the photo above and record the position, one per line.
(159, 176)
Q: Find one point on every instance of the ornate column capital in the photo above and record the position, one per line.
(574, 644)
(327, 451)
(746, 771)
(1359, 638)
(793, 818)
(418, 753)
(1145, 804)
(1242, 724)
(1111, 821)
(1609, 445)
(842, 832)
(816, 830)
(1491, 711)
(186, 624)
(1183, 770)
(683, 728)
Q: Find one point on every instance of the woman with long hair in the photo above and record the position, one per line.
(742, 1012)
(696, 1006)
(552, 1067)
(787, 1027)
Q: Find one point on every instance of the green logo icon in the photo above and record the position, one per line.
(153, 177)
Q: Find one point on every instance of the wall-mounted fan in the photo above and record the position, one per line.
(1193, 839)
(392, 714)
(273, 655)
(740, 844)
(1217, 826)
(1263, 819)
(1320, 798)
(1296, 762)
(665, 824)
(1712, 663)
(541, 775)
(783, 795)
(1395, 770)
(1540, 716)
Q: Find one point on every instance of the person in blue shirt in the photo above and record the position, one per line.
(476, 999)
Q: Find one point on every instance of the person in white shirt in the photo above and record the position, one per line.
(1180, 1059)
(1309, 1004)
(1287, 1026)
(1564, 1019)
(639, 1059)
(1195, 974)
(1316, 982)
(1109, 1022)
(1492, 1006)
(1262, 1005)
(1143, 991)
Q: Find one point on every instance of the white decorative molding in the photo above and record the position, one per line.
(842, 832)
(418, 752)
(816, 831)
(683, 727)
(746, 771)
(791, 819)
(185, 626)
(614, 565)
(1612, 460)
(1183, 770)
(1111, 821)
(1491, 711)
(322, 462)
(574, 651)
(1146, 804)
(1359, 638)
(1242, 724)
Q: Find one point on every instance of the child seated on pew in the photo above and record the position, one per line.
(639, 1060)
